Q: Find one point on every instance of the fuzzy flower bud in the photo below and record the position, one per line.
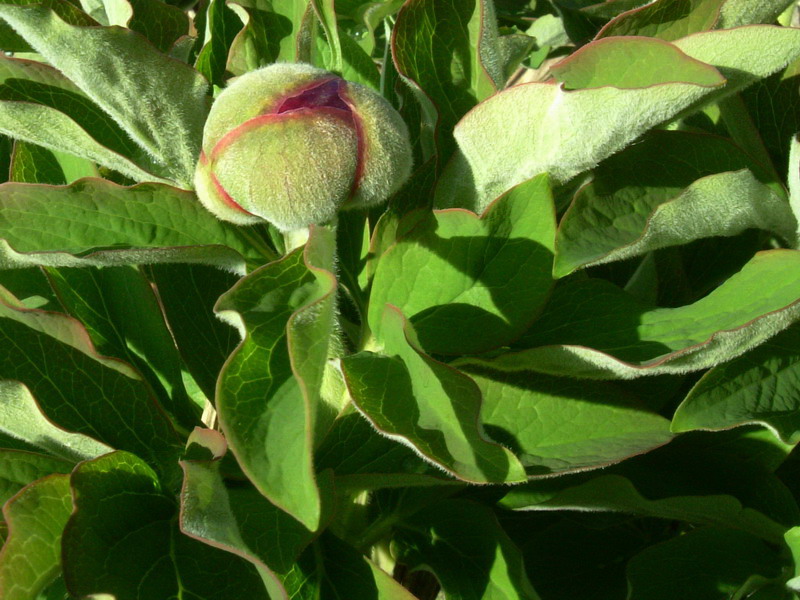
(293, 144)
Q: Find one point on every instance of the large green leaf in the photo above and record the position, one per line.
(79, 389)
(620, 62)
(745, 54)
(30, 89)
(649, 196)
(700, 565)
(239, 519)
(557, 425)
(158, 101)
(188, 294)
(269, 393)
(31, 558)
(96, 222)
(363, 459)
(758, 387)
(448, 52)
(616, 493)
(426, 404)
(123, 539)
(121, 312)
(593, 329)
(22, 419)
(666, 19)
(465, 547)
(723, 478)
(477, 282)
(567, 132)
(736, 13)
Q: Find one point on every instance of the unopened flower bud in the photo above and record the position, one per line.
(293, 144)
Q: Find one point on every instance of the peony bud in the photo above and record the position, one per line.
(293, 144)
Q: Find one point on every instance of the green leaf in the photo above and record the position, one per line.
(34, 164)
(158, 101)
(362, 459)
(32, 93)
(736, 13)
(630, 63)
(373, 15)
(334, 569)
(18, 469)
(268, 396)
(326, 13)
(616, 493)
(515, 48)
(792, 539)
(69, 12)
(758, 387)
(238, 518)
(479, 281)
(426, 404)
(494, 157)
(348, 574)
(557, 425)
(188, 294)
(96, 222)
(356, 65)
(273, 31)
(22, 419)
(80, 390)
(30, 558)
(650, 196)
(222, 26)
(700, 565)
(774, 109)
(123, 540)
(159, 22)
(121, 312)
(746, 54)
(666, 19)
(467, 550)
(794, 181)
(593, 329)
(447, 51)
(558, 546)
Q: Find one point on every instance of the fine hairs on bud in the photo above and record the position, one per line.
(293, 144)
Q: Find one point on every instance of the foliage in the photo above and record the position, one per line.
(563, 361)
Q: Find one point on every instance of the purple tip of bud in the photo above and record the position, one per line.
(325, 94)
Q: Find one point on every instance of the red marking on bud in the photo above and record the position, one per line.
(362, 145)
(226, 197)
(325, 93)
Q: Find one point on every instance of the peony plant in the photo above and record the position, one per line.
(385, 300)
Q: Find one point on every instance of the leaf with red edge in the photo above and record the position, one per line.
(269, 392)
